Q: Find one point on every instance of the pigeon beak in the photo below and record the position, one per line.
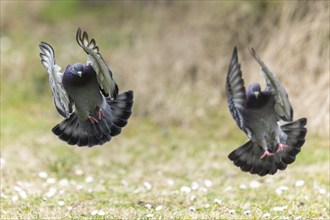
(256, 94)
(79, 73)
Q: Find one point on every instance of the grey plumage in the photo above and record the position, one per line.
(257, 113)
(99, 112)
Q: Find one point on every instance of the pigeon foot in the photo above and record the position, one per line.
(92, 119)
(266, 154)
(281, 147)
(100, 114)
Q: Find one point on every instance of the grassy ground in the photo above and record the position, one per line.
(151, 171)
(171, 159)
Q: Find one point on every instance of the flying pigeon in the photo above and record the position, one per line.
(87, 96)
(271, 146)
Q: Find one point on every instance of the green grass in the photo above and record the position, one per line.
(114, 178)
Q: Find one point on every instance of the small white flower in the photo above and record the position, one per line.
(242, 186)
(60, 203)
(124, 183)
(51, 192)
(228, 188)
(174, 192)
(255, 184)
(319, 189)
(136, 191)
(192, 197)
(194, 185)
(298, 218)
(14, 198)
(69, 208)
(2, 162)
(202, 189)
(43, 175)
(158, 208)
(231, 211)
(73, 182)
(78, 172)
(17, 188)
(23, 194)
(266, 215)
(286, 218)
(217, 201)
(280, 208)
(2, 195)
(149, 215)
(148, 206)
(192, 209)
(208, 183)
(322, 191)
(89, 179)
(51, 180)
(170, 182)
(269, 180)
(101, 212)
(284, 188)
(299, 183)
(185, 189)
(79, 187)
(207, 206)
(247, 212)
(63, 182)
(147, 185)
(278, 191)
(281, 189)
(94, 212)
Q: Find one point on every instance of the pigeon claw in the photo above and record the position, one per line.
(266, 154)
(100, 114)
(92, 119)
(281, 147)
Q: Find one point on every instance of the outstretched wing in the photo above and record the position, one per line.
(282, 105)
(103, 73)
(236, 95)
(61, 98)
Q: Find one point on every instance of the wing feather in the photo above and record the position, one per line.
(282, 104)
(104, 75)
(61, 98)
(236, 95)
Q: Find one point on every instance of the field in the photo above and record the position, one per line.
(170, 162)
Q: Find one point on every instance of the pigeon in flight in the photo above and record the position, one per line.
(257, 113)
(87, 96)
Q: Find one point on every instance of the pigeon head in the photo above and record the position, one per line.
(255, 97)
(254, 89)
(77, 69)
(78, 75)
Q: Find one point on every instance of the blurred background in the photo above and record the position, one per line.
(174, 55)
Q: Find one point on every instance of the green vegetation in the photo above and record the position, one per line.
(170, 162)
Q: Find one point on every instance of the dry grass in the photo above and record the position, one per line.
(184, 65)
(175, 55)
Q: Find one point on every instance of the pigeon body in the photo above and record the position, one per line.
(99, 112)
(76, 85)
(257, 112)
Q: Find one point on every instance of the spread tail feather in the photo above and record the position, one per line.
(121, 111)
(82, 133)
(247, 156)
(85, 133)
